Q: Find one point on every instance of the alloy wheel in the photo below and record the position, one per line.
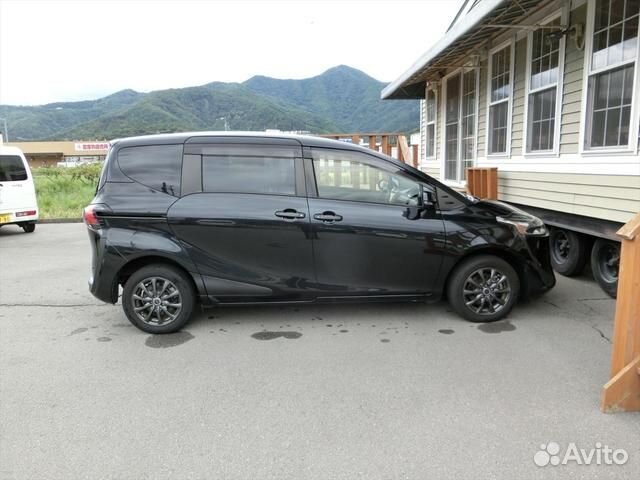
(156, 301)
(486, 291)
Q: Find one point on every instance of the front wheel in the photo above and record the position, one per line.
(605, 262)
(483, 289)
(158, 299)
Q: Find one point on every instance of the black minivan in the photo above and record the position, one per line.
(245, 218)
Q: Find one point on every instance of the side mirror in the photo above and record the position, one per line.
(426, 201)
(428, 197)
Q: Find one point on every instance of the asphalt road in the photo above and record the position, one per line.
(333, 392)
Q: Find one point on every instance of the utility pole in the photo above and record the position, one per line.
(6, 130)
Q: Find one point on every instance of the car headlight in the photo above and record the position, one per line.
(526, 226)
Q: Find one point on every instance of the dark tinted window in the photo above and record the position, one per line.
(248, 174)
(158, 167)
(12, 169)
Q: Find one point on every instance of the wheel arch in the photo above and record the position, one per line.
(511, 258)
(143, 261)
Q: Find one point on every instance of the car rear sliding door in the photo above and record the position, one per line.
(244, 219)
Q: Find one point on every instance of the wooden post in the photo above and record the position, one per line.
(622, 392)
(384, 144)
(355, 139)
(373, 143)
(404, 152)
(414, 154)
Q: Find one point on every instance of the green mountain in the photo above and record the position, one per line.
(342, 100)
(349, 97)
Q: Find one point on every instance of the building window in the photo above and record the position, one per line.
(500, 68)
(460, 124)
(545, 61)
(611, 73)
(430, 124)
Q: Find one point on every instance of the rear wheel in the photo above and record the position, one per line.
(483, 289)
(29, 227)
(605, 262)
(569, 252)
(158, 299)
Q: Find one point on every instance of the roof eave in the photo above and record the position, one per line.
(398, 89)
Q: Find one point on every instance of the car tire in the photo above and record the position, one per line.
(605, 262)
(494, 296)
(569, 251)
(29, 227)
(161, 288)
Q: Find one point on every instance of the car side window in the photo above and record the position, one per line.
(352, 176)
(270, 175)
(157, 166)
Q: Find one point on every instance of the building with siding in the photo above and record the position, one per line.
(548, 91)
(43, 154)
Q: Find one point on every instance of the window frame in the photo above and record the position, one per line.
(528, 91)
(632, 145)
(507, 43)
(433, 122)
(443, 137)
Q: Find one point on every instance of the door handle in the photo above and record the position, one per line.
(289, 214)
(328, 217)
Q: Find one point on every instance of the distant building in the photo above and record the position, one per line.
(40, 154)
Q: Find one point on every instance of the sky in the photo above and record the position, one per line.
(62, 50)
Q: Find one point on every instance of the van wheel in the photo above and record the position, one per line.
(158, 299)
(483, 289)
(29, 227)
(605, 262)
(568, 252)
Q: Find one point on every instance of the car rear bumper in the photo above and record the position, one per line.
(11, 217)
(105, 265)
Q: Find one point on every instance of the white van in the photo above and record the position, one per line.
(18, 203)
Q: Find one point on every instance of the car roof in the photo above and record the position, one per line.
(9, 150)
(173, 138)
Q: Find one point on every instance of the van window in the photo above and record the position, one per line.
(12, 169)
(158, 167)
(244, 174)
(356, 177)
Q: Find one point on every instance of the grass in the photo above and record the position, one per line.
(64, 192)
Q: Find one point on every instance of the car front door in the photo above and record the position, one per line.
(245, 220)
(367, 238)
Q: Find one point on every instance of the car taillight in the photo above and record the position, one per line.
(27, 213)
(90, 218)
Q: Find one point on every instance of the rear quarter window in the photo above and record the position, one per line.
(158, 167)
(12, 169)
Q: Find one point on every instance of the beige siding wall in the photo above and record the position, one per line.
(611, 197)
(434, 172)
(572, 90)
(517, 116)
